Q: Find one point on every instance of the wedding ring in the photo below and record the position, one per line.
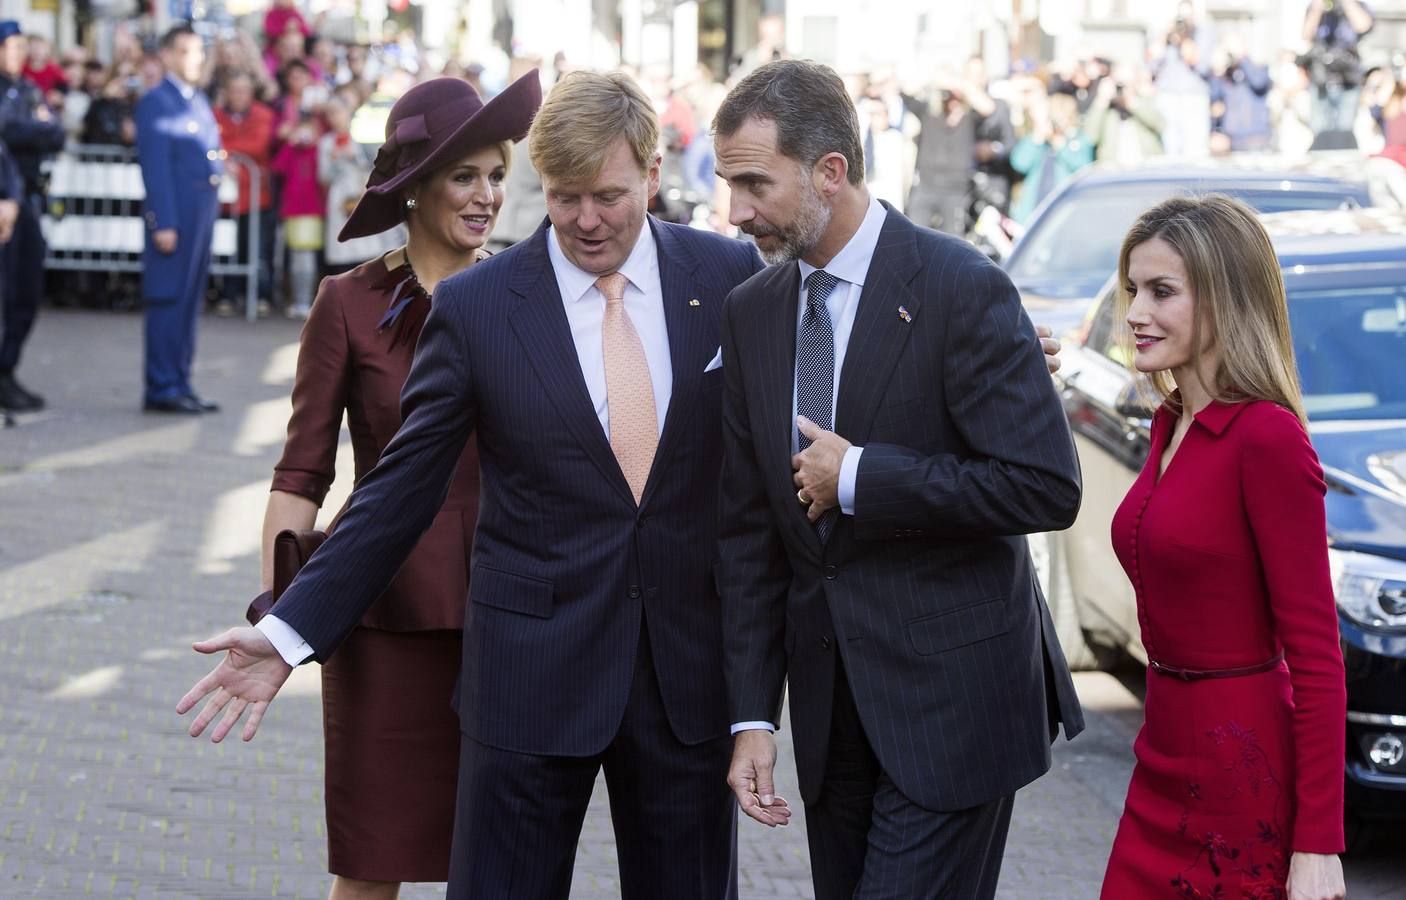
(801, 496)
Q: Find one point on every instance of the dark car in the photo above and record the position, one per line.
(1071, 245)
(1345, 275)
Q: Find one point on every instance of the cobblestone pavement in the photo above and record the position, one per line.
(123, 537)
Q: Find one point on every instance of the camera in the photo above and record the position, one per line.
(1329, 65)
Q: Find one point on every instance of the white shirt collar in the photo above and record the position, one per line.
(852, 262)
(577, 282)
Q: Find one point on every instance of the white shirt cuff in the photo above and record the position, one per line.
(289, 644)
(753, 726)
(849, 473)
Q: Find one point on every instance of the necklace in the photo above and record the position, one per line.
(403, 293)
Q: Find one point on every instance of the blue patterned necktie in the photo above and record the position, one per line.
(815, 369)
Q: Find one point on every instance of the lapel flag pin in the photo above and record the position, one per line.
(693, 303)
(904, 314)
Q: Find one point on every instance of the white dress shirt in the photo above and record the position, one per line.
(644, 303)
(850, 266)
(585, 311)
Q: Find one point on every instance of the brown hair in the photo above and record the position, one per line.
(1234, 274)
(813, 113)
(580, 121)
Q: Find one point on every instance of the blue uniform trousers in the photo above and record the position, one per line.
(23, 282)
(172, 316)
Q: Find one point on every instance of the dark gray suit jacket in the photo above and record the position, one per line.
(927, 592)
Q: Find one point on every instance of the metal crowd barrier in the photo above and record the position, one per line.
(93, 221)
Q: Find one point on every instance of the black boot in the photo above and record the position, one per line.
(15, 398)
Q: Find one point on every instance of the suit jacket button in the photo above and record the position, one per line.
(634, 592)
(825, 643)
(214, 181)
(832, 572)
(639, 523)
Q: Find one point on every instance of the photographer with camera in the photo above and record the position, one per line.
(1124, 121)
(1239, 100)
(1182, 75)
(1333, 29)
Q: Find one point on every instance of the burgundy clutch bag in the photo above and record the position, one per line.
(291, 551)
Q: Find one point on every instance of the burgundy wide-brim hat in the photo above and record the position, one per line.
(430, 126)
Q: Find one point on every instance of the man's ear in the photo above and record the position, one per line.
(652, 174)
(831, 172)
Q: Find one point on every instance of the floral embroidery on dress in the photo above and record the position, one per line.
(1261, 861)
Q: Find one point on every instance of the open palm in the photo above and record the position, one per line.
(248, 678)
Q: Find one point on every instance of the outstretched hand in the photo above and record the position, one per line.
(250, 675)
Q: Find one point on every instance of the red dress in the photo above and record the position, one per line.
(1228, 555)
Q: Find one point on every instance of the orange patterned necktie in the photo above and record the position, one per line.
(629, 392)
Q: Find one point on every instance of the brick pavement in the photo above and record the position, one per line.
(123, 537)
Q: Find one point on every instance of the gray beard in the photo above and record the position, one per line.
(801, 236)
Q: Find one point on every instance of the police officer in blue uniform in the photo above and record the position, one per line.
(178, 147)
(31, 131)
(11, 196)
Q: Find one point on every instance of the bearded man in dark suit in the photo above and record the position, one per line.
(890, 434)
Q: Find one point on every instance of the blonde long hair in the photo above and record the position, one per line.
(1240, 300)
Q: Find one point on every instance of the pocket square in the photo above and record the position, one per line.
(717, 362)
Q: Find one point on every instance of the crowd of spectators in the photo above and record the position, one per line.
(309, 109)
(949, 149)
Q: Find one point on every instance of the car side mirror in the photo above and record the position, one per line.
(1133, 404)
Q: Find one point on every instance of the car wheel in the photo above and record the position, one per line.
(1046, 554)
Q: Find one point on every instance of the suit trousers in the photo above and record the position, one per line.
(24, 282)
(519, 815)
(869, 842)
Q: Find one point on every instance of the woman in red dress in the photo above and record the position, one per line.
(391, 736)
(1238, 788)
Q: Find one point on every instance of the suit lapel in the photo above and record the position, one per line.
(778, 366)
(692, 342)
(545, 334)
(880, 329)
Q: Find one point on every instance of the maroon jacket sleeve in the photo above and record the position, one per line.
(320, 391)
(1284, 489)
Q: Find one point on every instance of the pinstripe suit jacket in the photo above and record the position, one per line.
(927, 592)
(564, 564)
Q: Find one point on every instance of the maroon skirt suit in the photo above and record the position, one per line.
(392, 740)
(1240, 759)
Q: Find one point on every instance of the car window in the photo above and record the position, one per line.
(1079, 236)
(1350, 345)
(1103, 336)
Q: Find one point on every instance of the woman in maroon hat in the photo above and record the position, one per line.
(392, 740)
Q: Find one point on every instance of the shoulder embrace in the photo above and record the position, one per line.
(938, 249)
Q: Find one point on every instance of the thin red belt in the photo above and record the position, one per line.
(1199, 674)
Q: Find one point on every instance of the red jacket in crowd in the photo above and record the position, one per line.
(250, 134)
